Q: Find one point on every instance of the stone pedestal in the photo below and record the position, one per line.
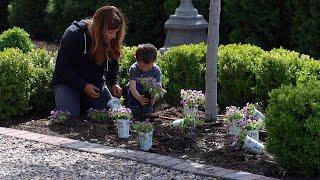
(186, 26)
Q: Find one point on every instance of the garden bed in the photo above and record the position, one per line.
(209, 145)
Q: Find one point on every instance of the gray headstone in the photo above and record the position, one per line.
(186, 26)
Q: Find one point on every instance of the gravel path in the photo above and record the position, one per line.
(21, 159)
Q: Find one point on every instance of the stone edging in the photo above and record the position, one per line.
(140, 156)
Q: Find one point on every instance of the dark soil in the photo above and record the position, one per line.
(208, 145)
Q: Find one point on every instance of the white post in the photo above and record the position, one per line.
(212, 59)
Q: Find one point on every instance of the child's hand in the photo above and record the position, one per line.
(143, 101)
(153, 101)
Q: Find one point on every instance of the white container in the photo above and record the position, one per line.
(145, 140)
(177, 123)
(114, 103)
(253, 134)
(193, 112)
(234, 129)
(123, 126)
(257, 115)
(253, 145)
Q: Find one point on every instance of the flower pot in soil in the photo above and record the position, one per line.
(123, 126)
(193, 111)
(254, 133)
(177, 123)
(253, 145)
(145, 140)
(234, 129)
(257, 115)
(114, 103)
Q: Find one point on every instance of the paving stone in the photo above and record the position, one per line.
(198, 171)
(224, 172)
(15, 132)
(235, 175)
(147, 156)
(158, 160)
(171, 162)
(250, 177)
(213, 169)
(182, 166)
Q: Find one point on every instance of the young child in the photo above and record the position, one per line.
(144, 69)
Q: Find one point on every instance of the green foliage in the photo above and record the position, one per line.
(61, 13)
(293, 127)
(183, 68)
(29, 14)
(127, 59)
(42, 96)
(304, 34)
(15, 70)
(236, 74)
(4, 15)
(15, 38)
(262, 23)
(145, 21)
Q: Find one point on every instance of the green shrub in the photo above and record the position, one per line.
(15, 70)
(15, 38)
(42, 96)
(294, 62)
(127, 59)
(183, 68)
(310, 71)
(293, 127)
(4, 15)
(29, 15)
(61, 13)
(236, 74)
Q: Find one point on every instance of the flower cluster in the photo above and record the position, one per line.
(153, 88)
(190, 122)
(145, 126)
(99, 115)
(233, 114)
(243, 118)
(59, 116)
(122, 113)
(192, 98)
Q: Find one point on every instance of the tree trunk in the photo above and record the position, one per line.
(212, 59)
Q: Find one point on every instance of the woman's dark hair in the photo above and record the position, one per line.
(104, 19)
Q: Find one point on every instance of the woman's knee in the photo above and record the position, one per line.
(67, 99)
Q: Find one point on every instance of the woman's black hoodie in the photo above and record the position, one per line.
(74, 65)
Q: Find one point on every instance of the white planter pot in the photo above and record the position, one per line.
(123, 126)
(193, 112)
(114, 103)
(257, 115)
(145, 140)
(253, 145)
(253, 134)
(234, 129)
(177, 123)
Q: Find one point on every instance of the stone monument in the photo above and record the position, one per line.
(186, 26)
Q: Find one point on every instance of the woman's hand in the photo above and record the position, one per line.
(116, 90)
(91, 91)
(143, 101)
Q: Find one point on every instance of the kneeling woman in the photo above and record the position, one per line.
(88, 59)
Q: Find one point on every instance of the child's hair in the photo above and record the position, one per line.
(146, 53)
